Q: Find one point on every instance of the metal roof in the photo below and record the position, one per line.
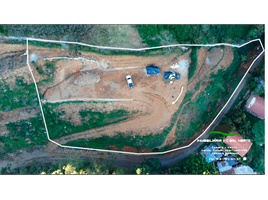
(211, 153)
(255, 104)
(238, 144)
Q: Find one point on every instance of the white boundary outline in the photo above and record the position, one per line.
(140, 49)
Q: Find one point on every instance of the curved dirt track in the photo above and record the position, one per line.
(141, 123)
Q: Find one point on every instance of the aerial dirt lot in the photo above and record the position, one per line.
(104, 77)
(93, 76)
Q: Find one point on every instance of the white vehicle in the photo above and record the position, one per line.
(129, 81)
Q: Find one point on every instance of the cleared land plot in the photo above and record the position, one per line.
(149, 123)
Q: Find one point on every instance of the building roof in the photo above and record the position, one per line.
(211, 153)
(238, 144)
(255, 105)
(244, 170)
(227, 164)
(239, 170)
(209, 149)
(228, 172)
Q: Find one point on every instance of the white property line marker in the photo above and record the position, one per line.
(88, 99)
(178, 96)
(129, 49)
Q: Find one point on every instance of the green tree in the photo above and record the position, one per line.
(193, 164)
(258, 131)
(150, 166)
(251, 83)
(242, 123)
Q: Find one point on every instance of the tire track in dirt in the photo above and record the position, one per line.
(171, 136)
(15, 115)
(202, 54)
(138, 121)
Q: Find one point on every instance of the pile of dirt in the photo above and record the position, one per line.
(87, 78)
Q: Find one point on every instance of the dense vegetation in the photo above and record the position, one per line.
(200, 34)
(193, 65)
(194, 164)
(49, 31)
(19, 96)
(26, 133)
(217, 90)
(247, 125)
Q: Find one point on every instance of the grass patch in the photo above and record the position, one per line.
(26, 133)
(58, 127)
(120, 140)
(199, 34)
(18, 96)
(193, 65)
(210, 97)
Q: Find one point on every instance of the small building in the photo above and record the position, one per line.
(238, 144)
(211, 153)
(255, 106)
(227, 163)
(152, 69)
(244, 170)
(239, 170)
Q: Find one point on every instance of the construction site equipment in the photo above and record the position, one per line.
(152, 69)
(171, 75)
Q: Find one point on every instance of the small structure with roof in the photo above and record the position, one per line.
(239, 170)
(227, 163)
(152, 69)
(255, 106)
(211, 153)
(238, 144)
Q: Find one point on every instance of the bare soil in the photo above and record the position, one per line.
(152, 96)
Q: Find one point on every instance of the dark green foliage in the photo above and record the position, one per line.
(200, 34)
(3, 30)
(194, 63)
(258, 131)
(259, 71)
(79, 166)
(244, 122)
(240, 121)
(120, 140)
(251, 83)
(48, 31)
(258, 160)
(58, 127)
(193, 164)
(19, 96)
(150, 166)
(26, 133)
(44, 44)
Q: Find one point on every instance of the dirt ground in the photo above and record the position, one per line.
(208, 62)
(152, 96)
(98, 76)
(14, 116)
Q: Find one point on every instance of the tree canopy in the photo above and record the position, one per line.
(258, 131)
(193, 164)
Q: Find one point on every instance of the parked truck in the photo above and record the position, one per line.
(129, 81)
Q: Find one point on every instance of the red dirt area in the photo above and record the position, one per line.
(152, 92)
(112, 147)
(130, 149)
(152, 95)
